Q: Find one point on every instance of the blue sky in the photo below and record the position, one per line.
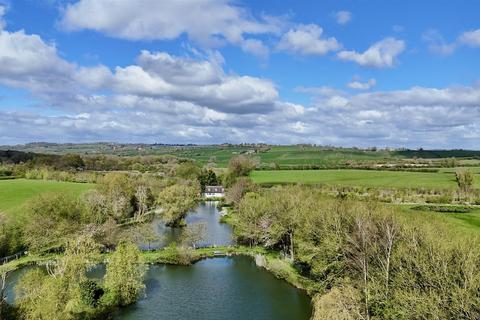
(363, 73)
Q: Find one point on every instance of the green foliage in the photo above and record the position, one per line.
(50, 219)
(207, 178)
(238, 189)
(58, 294)
(176, 201)
(380, 263)
(90, 293)
(188, 170)
(465, 180)
(124, 277)
(241, 165)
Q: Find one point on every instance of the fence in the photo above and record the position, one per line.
(12, 257)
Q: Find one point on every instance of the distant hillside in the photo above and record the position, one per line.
(268, 155)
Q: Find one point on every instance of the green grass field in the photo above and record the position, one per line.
(283, 155)
(14, 193)
(366, 178)
(463, 223)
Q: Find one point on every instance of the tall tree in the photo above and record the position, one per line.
(124, 278)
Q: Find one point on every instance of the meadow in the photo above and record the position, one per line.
(13, 193)
(464, 224)
(364, 178)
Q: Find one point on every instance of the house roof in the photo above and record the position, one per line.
(213, 189)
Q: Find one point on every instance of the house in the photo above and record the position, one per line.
(214, 192)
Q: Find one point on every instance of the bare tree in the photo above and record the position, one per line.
(3, 292)
(360, 252)
(142, 196)
(194, 233)
(388, 229)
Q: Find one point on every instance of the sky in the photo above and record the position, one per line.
(345, 73)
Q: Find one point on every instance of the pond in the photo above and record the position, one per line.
(216, 233)
(217, 288)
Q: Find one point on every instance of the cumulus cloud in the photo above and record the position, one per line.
(27, 62)
(200, 82)
(167, 98)
(416, 117)
(382, 54)
(207, 22)
(470, 38)
(343, 17)
(358, 85)
(307, 40)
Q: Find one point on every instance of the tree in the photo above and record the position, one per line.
(50, 219)
(236, 192)
(207, 178)
(119, 192)
(175, 202)
(193, 234)
(3, 296)
(188, 170)
(465, 179)
(57, 294)
(241, 165)
(144, 199)
(124, 278)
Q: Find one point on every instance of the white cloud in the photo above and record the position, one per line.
(437, 44)
(358, 85)
(167, 98)
(343, 17)
(200, 82)
(307, 40)
(470, 38)
(380, 55)
(207, 22)
(426, 117)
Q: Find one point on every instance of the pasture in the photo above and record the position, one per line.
(13, 193)
(364, 178)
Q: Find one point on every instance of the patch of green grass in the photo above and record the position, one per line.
(366, 178)
(14, 193)
(459, 224)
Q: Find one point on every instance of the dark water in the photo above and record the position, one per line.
(218, 234)
(217, 288)
(12, 280)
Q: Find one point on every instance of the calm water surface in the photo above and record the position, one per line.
(217, 288)
(219, 234)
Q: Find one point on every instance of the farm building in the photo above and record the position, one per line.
(214, 192)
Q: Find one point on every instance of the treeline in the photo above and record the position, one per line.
(365, 260)
(18, 163)
(49, 220)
